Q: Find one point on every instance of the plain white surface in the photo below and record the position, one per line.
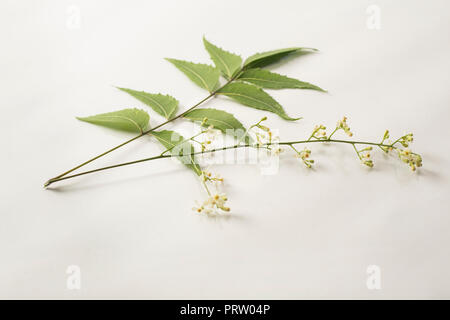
(297, 234)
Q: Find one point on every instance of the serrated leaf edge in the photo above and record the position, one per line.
(206, 42)
(195, 73)
(109, 116)
(167, 116)
(278, 106)
(282, 75)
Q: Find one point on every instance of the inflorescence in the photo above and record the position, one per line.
(262, 137)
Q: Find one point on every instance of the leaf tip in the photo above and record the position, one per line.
(206, 43)
(286, 117)
(316, 88)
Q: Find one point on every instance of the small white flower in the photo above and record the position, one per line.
(214, 204)
(275, 151)
(406, 140)
(319, 132)
(263, 135)
(410, 158)
(342, 124)
(368, 163)
(208, 176)
(304, 155)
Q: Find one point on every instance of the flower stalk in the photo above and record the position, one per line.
(236, 146)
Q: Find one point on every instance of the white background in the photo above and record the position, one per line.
(297, 234)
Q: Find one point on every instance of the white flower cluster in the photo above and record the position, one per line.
(410, 158)
(265, 137)
(364, 155)
(275, 150)
(319, 132)
(213, 205)
(304, 155)
(342, 124)
(209, 135)
(208, 176)
(406, 140)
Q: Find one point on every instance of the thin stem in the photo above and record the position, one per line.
(183, 141)
(336, 129)
(212, 94)
(357, 152)
(266, 145)
(205, 186)
(293, 148)
(396, 141)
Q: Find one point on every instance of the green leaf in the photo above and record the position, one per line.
(270, 80)
(265, 58)
(220, 120)
(130, 120)
(203, 75)
(225, 61)
(175, 142)
(252, 96)
(164, 105)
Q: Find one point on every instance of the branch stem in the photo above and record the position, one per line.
(247, 145)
